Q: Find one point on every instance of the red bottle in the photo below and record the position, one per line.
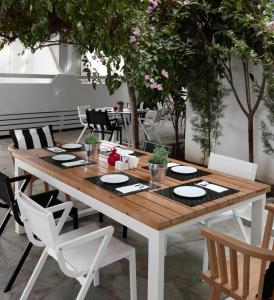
(113, 157)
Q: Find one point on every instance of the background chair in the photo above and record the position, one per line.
(83, 119)
(234, 167)
(79, 253)
(242, 276)
(150, 123)
(150, 146)
(98, 121)
(9, 202)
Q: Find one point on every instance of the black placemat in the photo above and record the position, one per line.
(59, 163)
(210, 195)
(112, 187)
(183, 177)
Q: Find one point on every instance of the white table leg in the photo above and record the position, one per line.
(156, 266)
(17, 172)
(258, 220)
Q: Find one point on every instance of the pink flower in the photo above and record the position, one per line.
(159, 87)
(136, 31)
(94, 55)
(132, 39)
(153, 4)
(165, 73)
(152, 80)
(147, 77)
(270, 25)
(154, 85)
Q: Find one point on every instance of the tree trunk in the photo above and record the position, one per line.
(176, 129)
(251, 137)
(134, 117)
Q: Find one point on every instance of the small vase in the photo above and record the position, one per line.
(157, 172)
(95, 151)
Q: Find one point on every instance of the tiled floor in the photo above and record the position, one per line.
(182, 271)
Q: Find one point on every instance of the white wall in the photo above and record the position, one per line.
(234, 141)
(64, 93)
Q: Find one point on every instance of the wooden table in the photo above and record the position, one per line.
(151, 215)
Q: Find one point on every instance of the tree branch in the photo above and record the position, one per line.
(247, 86)
(260, 96)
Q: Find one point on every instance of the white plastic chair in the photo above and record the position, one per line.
(83, 119)
(234, 167)
(79, 253)
(151, 121)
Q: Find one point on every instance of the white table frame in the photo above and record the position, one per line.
(156, 238)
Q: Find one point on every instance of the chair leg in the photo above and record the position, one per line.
(120, 134)
(101, 217)
(132, 275)
(124, 232)
(35, 275)
(74, 215)
(79, 138)
(215, 294)
(18, 268)
(241, 225)
(96, 278)
(46, 186)
(86, 284)
(5, 221)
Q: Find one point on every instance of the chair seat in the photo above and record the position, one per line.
(81, 257)
(255, 265)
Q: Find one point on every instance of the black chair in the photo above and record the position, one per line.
(150, 146)
(9, 202)
(99, 121)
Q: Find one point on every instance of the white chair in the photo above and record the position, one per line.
(151, 121)
(79, 253)
(236, 167)
(83, 119)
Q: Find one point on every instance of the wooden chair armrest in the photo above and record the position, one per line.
(237, 245)
(269, 207)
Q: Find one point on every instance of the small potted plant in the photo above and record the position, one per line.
(157, 163)
(91, 145)
(120, 105)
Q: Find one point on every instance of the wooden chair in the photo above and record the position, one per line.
(150, 146)
(234, 167)
(79, 253)
(242, 275)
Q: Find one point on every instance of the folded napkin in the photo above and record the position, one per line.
(75, 163)
(56, 149)
(132, 188)
(170, 165)
(212, 187)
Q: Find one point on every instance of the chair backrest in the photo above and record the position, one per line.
(232, 166)
(153, 116)
(82, 113)
(150, 146)
(236, 283)
(7, 195)
(98, 120)
(38, 221)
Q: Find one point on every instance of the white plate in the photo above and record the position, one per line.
(72, 146)
(189, 191)
(63, 157)
(184, 170)
(114, 178)
(124, 151)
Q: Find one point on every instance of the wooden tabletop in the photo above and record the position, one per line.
(152, 209)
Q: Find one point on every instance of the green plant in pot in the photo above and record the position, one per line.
(120, 105)
(91, 145)
(157, 163)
